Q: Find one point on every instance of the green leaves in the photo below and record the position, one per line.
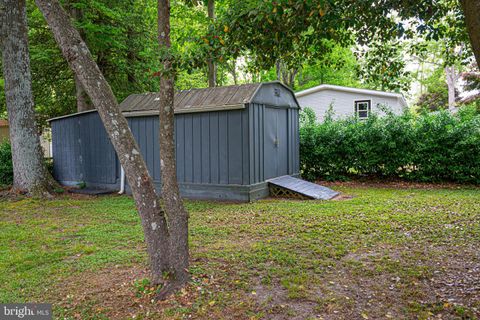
(430, 147)
(282, 30)
(382, 66)
(6, 166)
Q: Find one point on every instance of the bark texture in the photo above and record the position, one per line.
(81, 62)
(471, 10)
(29, 171)
(285, 75)
(177, 215)
(212, 67)
(451, 79)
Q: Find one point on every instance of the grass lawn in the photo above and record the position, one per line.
(381, 253)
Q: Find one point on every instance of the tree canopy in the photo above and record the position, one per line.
(302, 43)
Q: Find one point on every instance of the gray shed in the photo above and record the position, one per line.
(229, 141)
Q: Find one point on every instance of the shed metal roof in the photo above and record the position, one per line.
(195, 100)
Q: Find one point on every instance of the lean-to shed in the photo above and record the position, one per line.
(229, 141)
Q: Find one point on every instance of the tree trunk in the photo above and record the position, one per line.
(29, 172)
(288, 77)
(82, 98)
(278, 70)
(233, 71)
(451, 79)
(80, 60)
(177, 215)
(131, 57)
(131, 60)
(212, 68)
(471, 10)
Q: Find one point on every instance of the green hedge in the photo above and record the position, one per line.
(430, 147)
(6, 167)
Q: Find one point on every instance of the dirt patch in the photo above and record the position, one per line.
(456, 279)
(110, 290)
(116, 293)
(439, 283)
(274, 300)
(9, 195)
(125, 293)
(393, 184)
(343, 197)
(385, 284)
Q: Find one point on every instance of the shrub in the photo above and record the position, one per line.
(6, 167)
(428, 147)
(307, 117)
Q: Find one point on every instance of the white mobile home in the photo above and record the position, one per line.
(347, 101)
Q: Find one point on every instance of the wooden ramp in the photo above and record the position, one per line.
(287, 186)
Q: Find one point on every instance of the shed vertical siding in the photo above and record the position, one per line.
(220, 154)
(82, 150)
(212, 147)
(235, 150)
(222, 148)
(205, 147)
(256, 129)
(261, 155)
(180, 148)
(145, 132)
(294, 142)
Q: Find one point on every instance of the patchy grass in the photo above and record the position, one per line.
(377, 253)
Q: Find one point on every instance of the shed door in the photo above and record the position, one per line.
(276, 142)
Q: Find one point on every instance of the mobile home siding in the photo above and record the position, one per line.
(343, 102)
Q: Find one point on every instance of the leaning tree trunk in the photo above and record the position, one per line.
(80, 60)
(176, 214)
(212, 67)
(29, 172)
(471, 10)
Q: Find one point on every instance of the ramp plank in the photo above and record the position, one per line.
(303, 187)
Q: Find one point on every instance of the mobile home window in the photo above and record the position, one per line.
(362, 109)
